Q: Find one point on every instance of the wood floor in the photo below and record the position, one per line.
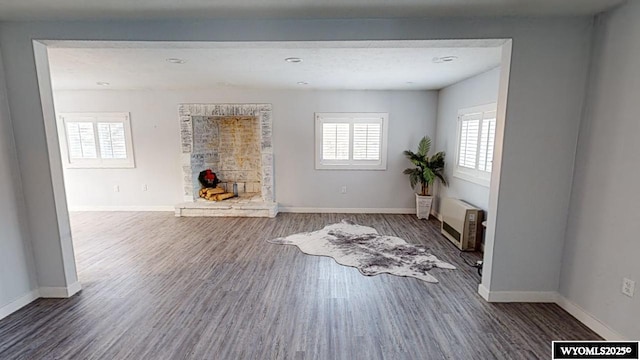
(160, 287)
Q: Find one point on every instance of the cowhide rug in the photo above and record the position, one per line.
(362, 247)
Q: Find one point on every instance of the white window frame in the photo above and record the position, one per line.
(476, 176)
(98, 162)
(351, 118)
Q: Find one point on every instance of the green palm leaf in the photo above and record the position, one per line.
(428, 175)
(416, 159)
(424, 146)
(427, 169)
(442, 178)
(414, 176)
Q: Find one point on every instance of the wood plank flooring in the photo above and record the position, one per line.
(160, 287)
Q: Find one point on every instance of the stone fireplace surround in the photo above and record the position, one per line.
(234, 140)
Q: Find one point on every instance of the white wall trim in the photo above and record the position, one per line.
(170, 208)
(589, 320)
(53, 292)
(74, 288)
(60, 292)
(567, 305)
(484, 292)
(43, 292)
(518, 296)
(18, 303)
(308, 210)
(496, 172)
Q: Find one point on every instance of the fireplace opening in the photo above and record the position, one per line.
(234, 142)
(230, 145)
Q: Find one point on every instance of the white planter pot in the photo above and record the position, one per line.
(423, 206)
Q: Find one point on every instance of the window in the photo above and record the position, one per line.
(100, 140)
(476, 137)
(351, 141)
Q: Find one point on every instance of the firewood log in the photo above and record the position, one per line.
(214, 191)
(224, 196)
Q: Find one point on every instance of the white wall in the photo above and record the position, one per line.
(17, 271)
(156, 141)
(602, 244)
(548, 74)
(478, 90)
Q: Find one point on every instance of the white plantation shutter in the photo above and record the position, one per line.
(96, 140)
(476, 142)
(112, 140)
(335, 141)
(366, 141)
(468, 152)
(351, 141)
(487, 139)
(82, 140)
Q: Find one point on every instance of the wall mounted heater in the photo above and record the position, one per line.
(461, 223)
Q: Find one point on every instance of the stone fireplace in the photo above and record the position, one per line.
(233, 140)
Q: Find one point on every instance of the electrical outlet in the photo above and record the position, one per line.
(628, 287)
(116, 188)
(343, 189)
(145, 187)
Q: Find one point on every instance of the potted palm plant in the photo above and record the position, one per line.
(427, 170)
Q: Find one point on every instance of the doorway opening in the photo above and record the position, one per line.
(116, 143)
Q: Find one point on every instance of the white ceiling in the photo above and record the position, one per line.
(362, 65)
(91, 9)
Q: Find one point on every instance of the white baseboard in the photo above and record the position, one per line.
(309, 210)
(60, 292)
(292, 209)
(18, 303)
(518, 296)
(589, 320)
(484, 292)
(74, 288)
(43, 292)
(573, 309)
(170, 208)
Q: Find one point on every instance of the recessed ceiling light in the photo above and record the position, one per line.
(444, 59)
(102, 83)
(294, 60)
(303, 83)
(176, 61)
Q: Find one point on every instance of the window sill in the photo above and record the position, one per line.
(482, 181)
(99, 166)
(351, 167)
